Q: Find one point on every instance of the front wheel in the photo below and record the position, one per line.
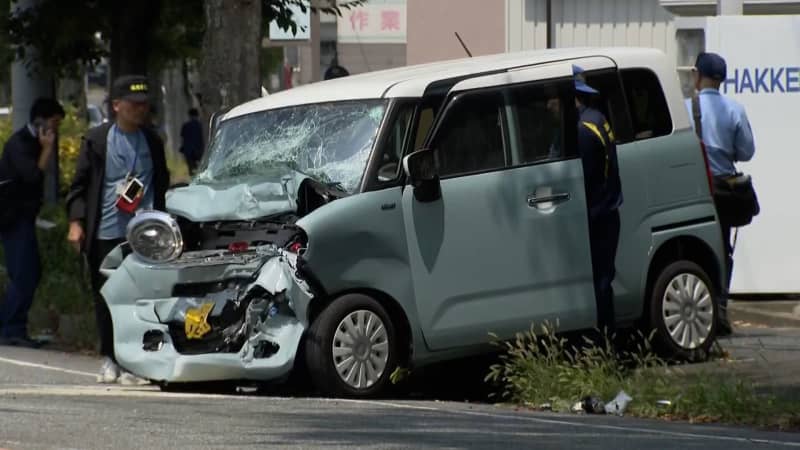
(683, 311)
(351, 348)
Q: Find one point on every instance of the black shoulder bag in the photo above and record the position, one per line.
(734, 196)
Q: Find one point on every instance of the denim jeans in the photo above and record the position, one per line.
(24, 271)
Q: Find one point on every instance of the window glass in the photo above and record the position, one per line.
(542, 111)
(392, 151)
(470, 138)
(649, 111)
(611, 101)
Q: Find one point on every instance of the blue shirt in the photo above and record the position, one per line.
(726, 131)
(126, 153)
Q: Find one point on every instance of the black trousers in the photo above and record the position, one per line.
(604, 238)
(726, 238)
(105, 330)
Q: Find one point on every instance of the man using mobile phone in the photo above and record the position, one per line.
(121, 169)
(25, 158)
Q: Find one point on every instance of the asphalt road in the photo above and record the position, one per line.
(48, 400)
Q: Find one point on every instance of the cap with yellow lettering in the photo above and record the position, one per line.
(130, 87)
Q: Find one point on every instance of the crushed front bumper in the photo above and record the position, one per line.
(211, 315)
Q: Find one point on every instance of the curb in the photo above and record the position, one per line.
(749, 312)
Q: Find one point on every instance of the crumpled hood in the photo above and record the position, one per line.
(246, 200)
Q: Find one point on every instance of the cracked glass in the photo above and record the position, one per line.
(330, 142)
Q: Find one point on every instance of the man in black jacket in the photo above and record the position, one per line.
(114, 156)
(25, 158)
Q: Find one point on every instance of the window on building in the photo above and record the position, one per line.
(471, 136)
(648, 108)
(691, 42)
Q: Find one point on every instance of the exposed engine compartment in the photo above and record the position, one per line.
(278, 230)
(243, 316)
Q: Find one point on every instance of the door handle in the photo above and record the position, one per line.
(534, 200)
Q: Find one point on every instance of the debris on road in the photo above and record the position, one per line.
(593, 405)
(619, 404)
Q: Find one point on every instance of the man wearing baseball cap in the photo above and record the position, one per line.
(121, 169)
(598, 152)
(728, 138)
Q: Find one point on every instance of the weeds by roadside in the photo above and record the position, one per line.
(543, 368)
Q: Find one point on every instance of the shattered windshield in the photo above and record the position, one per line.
(330, 142)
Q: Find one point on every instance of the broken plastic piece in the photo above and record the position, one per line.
(238, 247)
(619, 404)
(593, 405)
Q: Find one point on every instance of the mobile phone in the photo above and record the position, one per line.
(39, 125)
(132, 190)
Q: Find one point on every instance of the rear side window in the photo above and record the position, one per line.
(649, 112)
(611, 101)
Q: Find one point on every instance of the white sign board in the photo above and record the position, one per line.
(303, 21)
(373, 24)
(763, 58)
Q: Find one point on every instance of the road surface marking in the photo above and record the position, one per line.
(151, 391)
(45, 367)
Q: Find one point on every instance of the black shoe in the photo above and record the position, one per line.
(724, 328)
(21, 341)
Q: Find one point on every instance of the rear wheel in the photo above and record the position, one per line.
(351, 348)
(683, 311)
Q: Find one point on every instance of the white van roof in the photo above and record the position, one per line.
(411, 81)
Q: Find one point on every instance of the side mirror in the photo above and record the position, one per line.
(420, 167)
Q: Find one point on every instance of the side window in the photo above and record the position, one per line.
(471, 136)
(544, 117)
(611, 102)
(649, 112)
(392, 152)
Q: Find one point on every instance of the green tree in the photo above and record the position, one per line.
(139, 36)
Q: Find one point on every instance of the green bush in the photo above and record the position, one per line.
(541, 367)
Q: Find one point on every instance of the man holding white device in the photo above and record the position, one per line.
(121, 169)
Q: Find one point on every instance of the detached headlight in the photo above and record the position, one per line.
(155, 237)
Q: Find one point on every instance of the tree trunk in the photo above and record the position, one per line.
(230, 69)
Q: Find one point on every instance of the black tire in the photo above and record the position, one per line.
(319, 347)
(667, 346)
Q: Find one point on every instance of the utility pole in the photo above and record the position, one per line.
(549, 12)
(27, 85)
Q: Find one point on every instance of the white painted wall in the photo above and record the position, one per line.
(578, 23)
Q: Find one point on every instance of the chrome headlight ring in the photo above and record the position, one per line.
(155, 237)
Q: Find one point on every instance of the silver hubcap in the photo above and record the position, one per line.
(360, 349)
(688, 311)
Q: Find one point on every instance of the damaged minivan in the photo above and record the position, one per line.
(398, 218)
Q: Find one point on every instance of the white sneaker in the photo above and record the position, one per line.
(109, 372)
(129, 379)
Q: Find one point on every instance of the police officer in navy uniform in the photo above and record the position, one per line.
(603, 195)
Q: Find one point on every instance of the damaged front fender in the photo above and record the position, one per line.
(211, 315)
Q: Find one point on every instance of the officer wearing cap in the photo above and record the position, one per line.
(727, 136)
(121, 168)
(598, 152)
